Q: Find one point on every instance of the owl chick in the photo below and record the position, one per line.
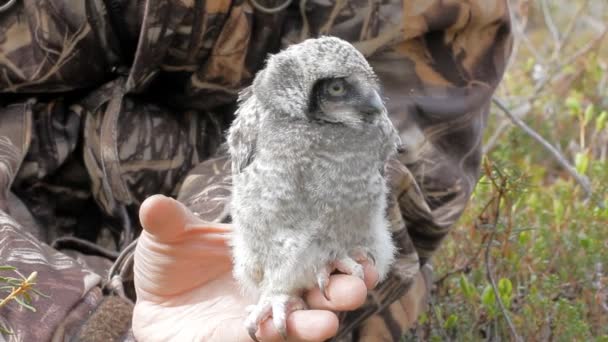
(308, 149)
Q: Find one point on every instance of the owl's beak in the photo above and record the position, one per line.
(372, 104)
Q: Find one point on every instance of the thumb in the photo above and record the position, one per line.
(165, 218)
(168, 220)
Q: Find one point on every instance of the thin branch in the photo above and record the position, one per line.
(472, 259)
(550, 23)
(582, 180)
(489, 274)
(520, 112)
(550, 75)
(569, 29)
(463, 269)
(521, 36)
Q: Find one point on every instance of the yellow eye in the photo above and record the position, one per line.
(336, 88)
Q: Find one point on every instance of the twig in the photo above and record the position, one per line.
(550, 23)
(467, 265)
(550, 76)
(569, 29)
(501, 190)
(582, 180)
(470, 261)
(520, 112)
(521, 36)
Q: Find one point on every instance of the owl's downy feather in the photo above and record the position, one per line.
(243, 133)
(308, 147)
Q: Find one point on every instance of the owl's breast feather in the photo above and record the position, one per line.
(323, 167)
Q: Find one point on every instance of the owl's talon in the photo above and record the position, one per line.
(323, 281)
(252, 331)
(325, 292)
(370, 257)
(257, 314)
(349, 266)
(279, 307)
(362, 255)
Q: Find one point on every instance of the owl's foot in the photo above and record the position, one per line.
(277, 306)
(350, 265)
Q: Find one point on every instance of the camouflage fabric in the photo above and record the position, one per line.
(106, 102)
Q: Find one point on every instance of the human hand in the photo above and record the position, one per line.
(186, 292)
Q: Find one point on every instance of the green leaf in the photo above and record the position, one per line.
(524, 237)
(505, 287)
(589, 112)
(467, 289)
(487, 297)
(529, 64)
(40, 293)
(11, 280)
(581, 162)
(24, 304)
(489, 301)
(423, 318)
(573, 104)
(450, 323)
(7, 268)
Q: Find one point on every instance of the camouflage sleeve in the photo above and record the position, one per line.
(439, 82)
(47, 46)
(69, 290)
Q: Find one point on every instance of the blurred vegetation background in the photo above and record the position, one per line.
(529, 259)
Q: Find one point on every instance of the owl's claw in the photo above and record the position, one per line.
(277, 306)
(323, 281)
(349, 266)
(257, 314)
(251, 331)
(362, 255)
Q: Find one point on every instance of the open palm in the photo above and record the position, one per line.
(186, 292)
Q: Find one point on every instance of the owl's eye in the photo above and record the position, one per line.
(336, 88)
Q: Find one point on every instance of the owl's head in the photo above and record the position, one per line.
(324, 79)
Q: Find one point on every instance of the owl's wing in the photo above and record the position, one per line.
(242, 135)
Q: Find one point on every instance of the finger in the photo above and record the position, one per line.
(302, 325)
(345, 292)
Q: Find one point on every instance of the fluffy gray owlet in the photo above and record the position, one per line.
(308, 149)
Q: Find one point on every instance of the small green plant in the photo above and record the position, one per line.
(18, 290)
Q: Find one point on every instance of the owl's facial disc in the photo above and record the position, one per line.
(347, 100)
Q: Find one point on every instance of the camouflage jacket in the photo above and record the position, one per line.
(105, 102)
